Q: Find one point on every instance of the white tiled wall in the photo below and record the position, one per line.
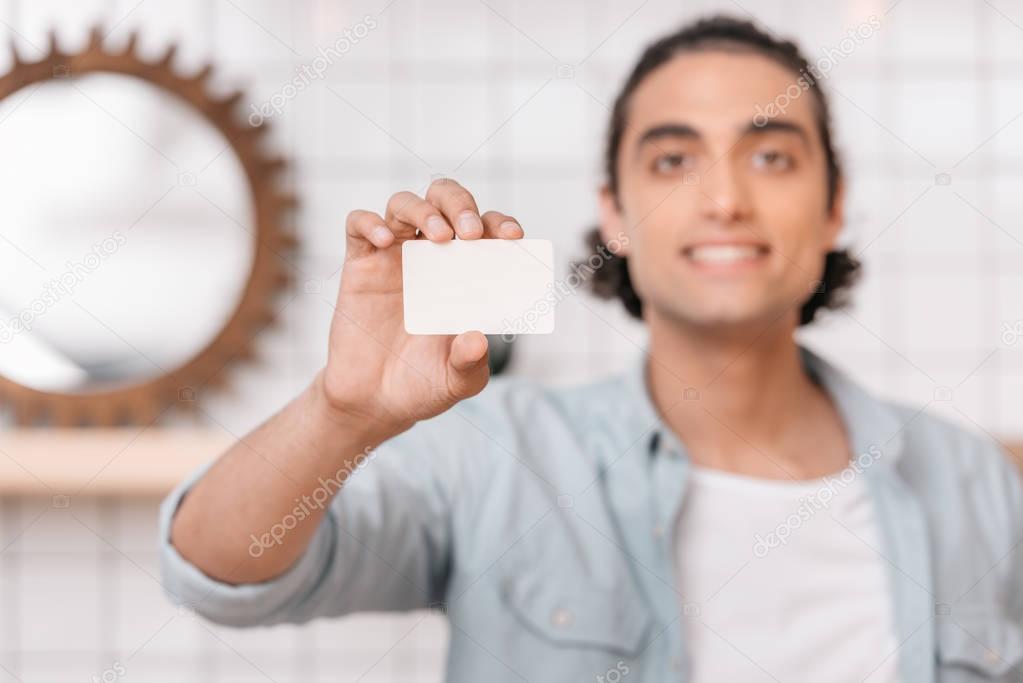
(471, 84)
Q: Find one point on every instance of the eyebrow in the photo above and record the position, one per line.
(773, 125)
(684, 130)
(667, 130)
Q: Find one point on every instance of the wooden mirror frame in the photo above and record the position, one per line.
(143, 403)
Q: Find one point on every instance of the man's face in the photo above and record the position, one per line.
(694, 171)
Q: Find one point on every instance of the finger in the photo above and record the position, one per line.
(498, 225)
(468, 370)
(365, 231)
(408, 212)
(467, 349)
(458, 206)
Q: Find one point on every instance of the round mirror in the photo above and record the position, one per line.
(128, 233)
(141, 243)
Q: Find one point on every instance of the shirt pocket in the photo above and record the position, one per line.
(579, 628)
(978, 647)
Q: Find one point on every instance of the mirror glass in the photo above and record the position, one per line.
(126, 233)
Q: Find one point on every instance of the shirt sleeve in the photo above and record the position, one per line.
(1011, 484)
(1001, 481)
(384, 544)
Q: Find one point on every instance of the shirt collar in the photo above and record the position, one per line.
(872, 424)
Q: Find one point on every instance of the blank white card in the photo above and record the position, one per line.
(494, 286)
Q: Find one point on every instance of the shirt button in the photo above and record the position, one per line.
(676, 664)
(991, 657)
(561, 618)
(658, 531)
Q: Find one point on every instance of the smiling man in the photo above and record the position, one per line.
(734, 507)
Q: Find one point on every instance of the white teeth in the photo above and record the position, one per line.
(723, 253)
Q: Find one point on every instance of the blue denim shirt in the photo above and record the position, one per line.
(540, 520)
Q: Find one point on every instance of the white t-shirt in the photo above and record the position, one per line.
(784, 581)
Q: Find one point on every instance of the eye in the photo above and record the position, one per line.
(673, 161)
(772, 159)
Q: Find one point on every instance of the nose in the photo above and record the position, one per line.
(725, 197)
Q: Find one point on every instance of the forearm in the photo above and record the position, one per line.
(254, 512)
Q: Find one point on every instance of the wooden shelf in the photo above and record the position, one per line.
(131, 462)
(103, 462)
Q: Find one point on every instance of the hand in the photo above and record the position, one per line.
(375, 371)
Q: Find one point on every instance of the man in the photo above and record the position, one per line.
(734, 507)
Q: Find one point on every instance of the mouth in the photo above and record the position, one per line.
(726, 257)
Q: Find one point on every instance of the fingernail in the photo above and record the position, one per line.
(470, 224)
(381, 234)
(436, 226)
(511, 228)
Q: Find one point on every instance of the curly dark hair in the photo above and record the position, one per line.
(841, 268)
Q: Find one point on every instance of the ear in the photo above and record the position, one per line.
(612, 226)
(836, 217)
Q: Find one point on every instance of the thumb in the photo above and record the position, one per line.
(468, 371)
